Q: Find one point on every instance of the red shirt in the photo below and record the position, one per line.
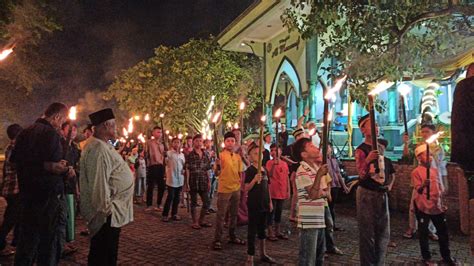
(278, 179)
(433, 205)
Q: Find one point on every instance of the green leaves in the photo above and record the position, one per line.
(392, 40)
(181, 81)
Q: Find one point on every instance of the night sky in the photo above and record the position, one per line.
(100, 38)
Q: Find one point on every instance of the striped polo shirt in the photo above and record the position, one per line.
(310, 212)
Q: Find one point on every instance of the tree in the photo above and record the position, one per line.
(23, 25)
(181, 81)
(375, 40)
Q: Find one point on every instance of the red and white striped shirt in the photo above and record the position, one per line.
(310, 212)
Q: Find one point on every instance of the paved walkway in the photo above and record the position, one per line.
(148, 241)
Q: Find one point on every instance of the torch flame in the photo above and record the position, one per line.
(141, 138)
(278, 113)
(162, 115)
(229, 124)
(312, 131)
(236, 125)
(242, 106)
(380, 87)
(330, 116)
(403, 89)
(263, 118)
(180, 136)
(215, 118)
(137, 118)
(147, 117)
(5, 53)
(434, 137)
(73, 113)
(167, 132)
(222, 145)
(130, 125)
(125, 132)
(332, 91)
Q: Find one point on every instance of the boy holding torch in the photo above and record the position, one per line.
(372, 200)
(430, 208)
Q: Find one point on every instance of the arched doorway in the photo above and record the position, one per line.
(286, 92)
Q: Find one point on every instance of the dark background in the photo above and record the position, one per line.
(101, 38)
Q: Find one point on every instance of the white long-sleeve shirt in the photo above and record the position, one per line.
(106, 186)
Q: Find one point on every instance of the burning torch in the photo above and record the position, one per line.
(404, 89)
(380, 87)
(163, 138)
(277, 121)
(430, 140)
(329, 94)
(72, 117)
(215, 120)
(5, 53)
(260, 144)
(241, 111)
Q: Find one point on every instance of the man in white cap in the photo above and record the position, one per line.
(106, 190)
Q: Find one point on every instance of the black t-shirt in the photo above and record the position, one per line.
(35, 145)
(258, 197)
(288, 151)
(72, 156)
(368, 182)
(462, 124)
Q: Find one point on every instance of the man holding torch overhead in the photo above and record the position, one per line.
(106, 190)
(372, 201)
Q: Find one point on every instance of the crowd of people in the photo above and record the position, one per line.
(49, 180)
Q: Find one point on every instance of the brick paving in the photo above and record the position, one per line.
(148, 241)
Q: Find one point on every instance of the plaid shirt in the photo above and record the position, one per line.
(198, 171)
(10, 181)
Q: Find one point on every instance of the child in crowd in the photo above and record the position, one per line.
(174, 179)
(312, 193)
(278, 174)
(259, 206)
(140, 176)
(430, 209)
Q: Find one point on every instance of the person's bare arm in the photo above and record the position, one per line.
(256, 179)
(315, 191)
(302, 118)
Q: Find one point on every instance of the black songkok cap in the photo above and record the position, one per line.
(363, 119)
(229, 135)
(101, 116)
(383, 142)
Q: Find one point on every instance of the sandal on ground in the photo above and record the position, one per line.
(267, 259)
(282, 236)
(409, 235)
(217, 245)
(272, 238)
(195, 226)
(433, 237)
(237, 241)
(176, 218)
(205, 224)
